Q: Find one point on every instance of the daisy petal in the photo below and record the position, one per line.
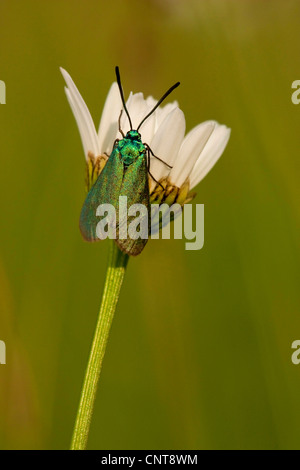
(147, 129)
(166, 143)
(189, 152)
(108, 127)
(80, 123)
(151, 102)
(137, 107)
(82, 115)
(163, 111)
(211, 153)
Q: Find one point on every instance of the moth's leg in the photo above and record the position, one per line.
(149, 150)
(114, 145)
(119, 121)
(148, 168)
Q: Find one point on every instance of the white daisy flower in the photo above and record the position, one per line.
(191, 156)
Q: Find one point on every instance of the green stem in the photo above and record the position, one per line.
(114, 278)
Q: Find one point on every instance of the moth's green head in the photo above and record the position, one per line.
(133, 135)
(131, 147)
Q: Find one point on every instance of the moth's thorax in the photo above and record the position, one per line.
(133, 135)
(131, 147)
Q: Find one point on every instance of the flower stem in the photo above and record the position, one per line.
(114, 278)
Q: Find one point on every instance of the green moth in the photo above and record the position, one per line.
(125, 175)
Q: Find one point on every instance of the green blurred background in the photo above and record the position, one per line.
(200, 350)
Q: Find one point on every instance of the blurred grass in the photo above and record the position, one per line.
(199, 355)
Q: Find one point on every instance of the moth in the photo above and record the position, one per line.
(125, 174)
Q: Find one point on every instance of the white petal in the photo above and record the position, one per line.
(108, 128)
(80, 123)
(163, 111)
(166, 143)
(211, 153)
(82, 115)
(147, 129)
(137, 109)
(191, 148)
(151, 102)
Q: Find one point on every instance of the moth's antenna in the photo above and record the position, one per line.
(122, 95)
(159, 102)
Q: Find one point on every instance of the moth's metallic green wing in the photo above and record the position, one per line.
(106, 190)
(136, 187)
(119, 179)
